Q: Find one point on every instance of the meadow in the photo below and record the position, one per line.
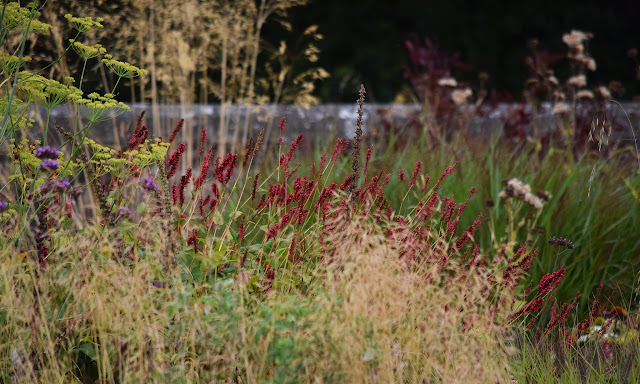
(424, 255)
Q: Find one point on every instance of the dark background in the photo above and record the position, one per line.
(364, 40)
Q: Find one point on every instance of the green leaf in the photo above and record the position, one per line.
(141, 208)
(632, 189)
(88, 349)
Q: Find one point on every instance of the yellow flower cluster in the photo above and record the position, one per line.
(16, 111)
(101, 156)
(10, 63)
(87, 51)
(99, 103)
(123, 69)
(47, 92)
(29, 160)
(84, 24)
(17, 17)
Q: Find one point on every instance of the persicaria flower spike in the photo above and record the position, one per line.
(174, 161)
(550, 281)
(282, 124)
(176, 129)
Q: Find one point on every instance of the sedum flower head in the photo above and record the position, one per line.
(518, 189)
(84, 24)
(123, 69)
(584, 94)
(460, 96)
(448, 82)
(604, 92)
(577, 81)
(575, 39)
(87, 51)
(561, 108)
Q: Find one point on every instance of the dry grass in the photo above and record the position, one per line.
(369, 317)
(398, 322)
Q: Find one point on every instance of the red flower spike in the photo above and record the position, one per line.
(224, 171)
(203, 141)
(367, 158)
(550, 281)
(281, 125)
(184, 181)
(426, 182)
(341, 146)
(204, 171)
(140, 133)
(173, 162)
(176, 129)
(254, 189)
(416, 172)
(444, 175)
(193, 239)
(254, 151)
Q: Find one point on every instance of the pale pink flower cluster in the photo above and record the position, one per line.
(584, 94)
(575, 41)
(448, 82)
(560, 108)
(460, 96)
(577, 81)
(516, 188)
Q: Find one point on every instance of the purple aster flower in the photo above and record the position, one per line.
(48, 165)
(47, 186)
(148, 183)
(124, 211)
(62, 185)
(76, 192)
(47, 152)
(561, 241)
(3, 206)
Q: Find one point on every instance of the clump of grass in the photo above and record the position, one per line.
(414, 321)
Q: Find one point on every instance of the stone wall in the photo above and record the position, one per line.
(328, 121)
